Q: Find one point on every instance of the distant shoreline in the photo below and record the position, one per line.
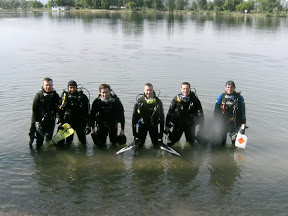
(147, 11)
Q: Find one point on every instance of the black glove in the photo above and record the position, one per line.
(87, 130)
(32, 134)
(60, 127)
(33, 128)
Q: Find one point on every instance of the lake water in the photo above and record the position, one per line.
(126, 51)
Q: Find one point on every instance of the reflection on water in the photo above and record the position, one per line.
(151, 178)
(137, 20)
(223, 169)
(127, 50)
(133, 23)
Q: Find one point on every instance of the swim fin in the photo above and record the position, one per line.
(65, 131)
(169, 149)
(126, 148)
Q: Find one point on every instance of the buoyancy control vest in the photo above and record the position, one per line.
(230, 106)
(149, 110)
(184, 105)
(48, 104)
(74, 107)
(184, 110)
(108, 110)
(72, 102)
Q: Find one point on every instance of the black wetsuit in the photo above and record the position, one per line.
(75, 111)
(105, 115)
(44, 109)
(183, 115)
(147, 116)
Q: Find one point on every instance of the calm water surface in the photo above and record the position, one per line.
(126, 51)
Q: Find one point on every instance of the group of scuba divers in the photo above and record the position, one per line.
(107, 112)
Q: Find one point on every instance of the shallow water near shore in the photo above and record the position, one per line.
(127, 50)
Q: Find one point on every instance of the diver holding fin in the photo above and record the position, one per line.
(73, 115)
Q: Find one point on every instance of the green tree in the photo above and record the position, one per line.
(276, 11)
(131, 5)
(157, 5)
(148, 3)
(24, 4)
(61, 3)
(36, 4)
(249, 5)
(219, 3)
(105, 4)
(181, 4)
(229, 5)
(216, 9)
(210, 5)
(139, 3)
(12, 4)
(78, 4)
(170, 4)
(268, 5)
(194, 6)
(88, 3)
(201, 4)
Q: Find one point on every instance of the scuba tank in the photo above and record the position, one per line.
(79, 93)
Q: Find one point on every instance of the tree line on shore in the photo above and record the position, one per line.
(262, 6)
(23, 4)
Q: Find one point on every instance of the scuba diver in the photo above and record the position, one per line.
(229, 112)
(148, 115)
(74, 110)
(184, 114)
(107, 111)
(44, 109)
